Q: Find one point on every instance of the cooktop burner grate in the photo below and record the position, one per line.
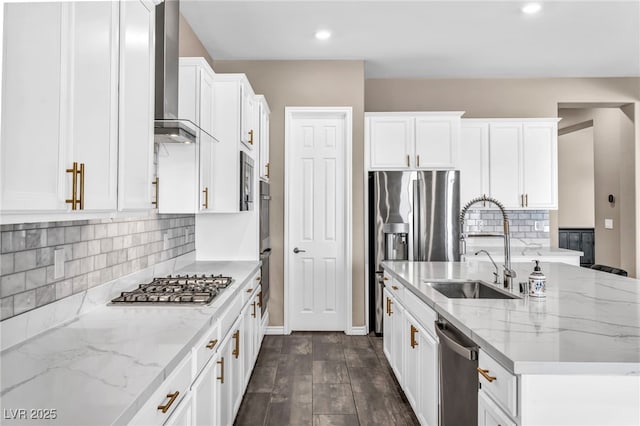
(186, 289)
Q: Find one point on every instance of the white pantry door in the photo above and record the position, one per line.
(317, 215)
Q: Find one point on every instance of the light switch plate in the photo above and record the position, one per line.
(538, 226)
(58, 263)
(186, 234)
(608, 223)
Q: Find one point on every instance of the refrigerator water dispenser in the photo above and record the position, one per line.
(396, 239)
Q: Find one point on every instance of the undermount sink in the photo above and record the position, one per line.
(469, 290)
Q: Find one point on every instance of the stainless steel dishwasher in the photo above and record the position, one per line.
(458, 376)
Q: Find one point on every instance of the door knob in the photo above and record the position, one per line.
(297, 250)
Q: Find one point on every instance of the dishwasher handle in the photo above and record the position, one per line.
(467, 352)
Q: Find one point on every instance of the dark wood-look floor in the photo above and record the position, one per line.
(323, 378)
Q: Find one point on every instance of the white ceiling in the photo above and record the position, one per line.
(405, 39)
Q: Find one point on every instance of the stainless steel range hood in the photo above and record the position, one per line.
(168, 127)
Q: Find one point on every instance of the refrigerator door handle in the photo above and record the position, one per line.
(416, 220)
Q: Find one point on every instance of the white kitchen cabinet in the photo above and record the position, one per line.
(249, 115)
(387, 325)
(136, 108)
(224, 382)
(196, 97)
(473, 161)
(251, 339)
(437, 140)
(206, 174)
(412, 140)
(429, 382)
(236, 365)
(205, 395)
(263, 138)
(396, 311)
(512, 160)
(78, 91)
(489, 414)
(178, 172)
(412, 361)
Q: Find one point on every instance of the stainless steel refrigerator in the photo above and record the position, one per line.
(412, 216)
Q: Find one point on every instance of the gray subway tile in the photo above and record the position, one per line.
(35, 238)
(112, 230)
(106, 245)
(87, 232)
(93, 279)
(80, 250)
(100, 231)
(64, 289)
(72, 268)
(71, 234)
(79, 283)
(45, 294)
(93, 247)
(44, 256)
(36, 278)
(100, 261)
(6, 264)
(6, 307)
(55, 236)
(24, 260)
(23, 302)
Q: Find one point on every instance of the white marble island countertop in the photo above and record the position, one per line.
(101, 367)
(589, 323)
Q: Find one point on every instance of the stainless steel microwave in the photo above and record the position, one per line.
(246, 182)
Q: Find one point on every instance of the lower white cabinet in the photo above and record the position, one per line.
(412, 352)
(489, 414)
(208, 385)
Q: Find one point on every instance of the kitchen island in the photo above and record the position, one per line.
(102, 367)
(574, 356)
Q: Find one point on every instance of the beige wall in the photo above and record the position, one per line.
(491, 98)
(576, 179)
(308, 83)
(189, 44)
(614, 151)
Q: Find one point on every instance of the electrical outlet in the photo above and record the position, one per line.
(538, 226)
(58, 263)
(165, 242)
(608, 223)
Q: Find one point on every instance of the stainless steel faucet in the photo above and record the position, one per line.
(496, 274)
(509, 274)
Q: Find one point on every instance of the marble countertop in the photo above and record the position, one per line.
(589, 323)
(101, 367)
(518, 252)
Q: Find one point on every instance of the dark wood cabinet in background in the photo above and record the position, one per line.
(581, 239)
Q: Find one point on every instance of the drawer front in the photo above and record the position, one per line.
(250, 286)
(499, 383)
(489, 414)
(168, 395)
(205, 348)
(421, 311)
(394, 286)
(232, 313)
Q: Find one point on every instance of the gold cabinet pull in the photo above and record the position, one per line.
(395, 287)
(260, 300)
(249, 290)
(172, 397)
(408, 161)
(386, 278)
(81, 200)
(251, 136)
(258, 278)
(74, 186)
(268, 166)
(414, 343)
(417, 161)
(221, 364)
(156, 182)
(212, 343)
(205, 191)
(387, 306)
(236, 351)
(485, 374)
(390, 303)
(526, 200)
(253, 305)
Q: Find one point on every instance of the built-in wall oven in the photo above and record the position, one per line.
(246, 182)
(265, 243)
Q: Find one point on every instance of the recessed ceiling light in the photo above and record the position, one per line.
(531, 8)
(323, 35)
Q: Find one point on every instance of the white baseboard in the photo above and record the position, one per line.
(275, 330)
(358, 331)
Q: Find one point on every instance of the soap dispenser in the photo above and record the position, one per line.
(537, 282)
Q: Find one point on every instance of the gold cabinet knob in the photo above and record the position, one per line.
(212, 343)
(485, 374)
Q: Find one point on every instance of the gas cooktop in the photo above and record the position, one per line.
(178, 290)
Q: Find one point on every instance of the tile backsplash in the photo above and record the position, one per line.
(523, 224)
(94, 252)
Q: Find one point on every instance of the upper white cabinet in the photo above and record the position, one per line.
(512, 160)
(76, 109)
(249, 114)
(263, 137)
(136, 110)
(196, 97)
(473, 160)
(412, 140)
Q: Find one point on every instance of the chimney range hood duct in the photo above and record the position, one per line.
(168, 127)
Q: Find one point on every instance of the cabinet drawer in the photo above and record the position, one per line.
(489, 414)
(421, 311)
(230, 315)
(395, 287)
(249, 287)
(502, 386)
(169, 394)
(205, 348)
